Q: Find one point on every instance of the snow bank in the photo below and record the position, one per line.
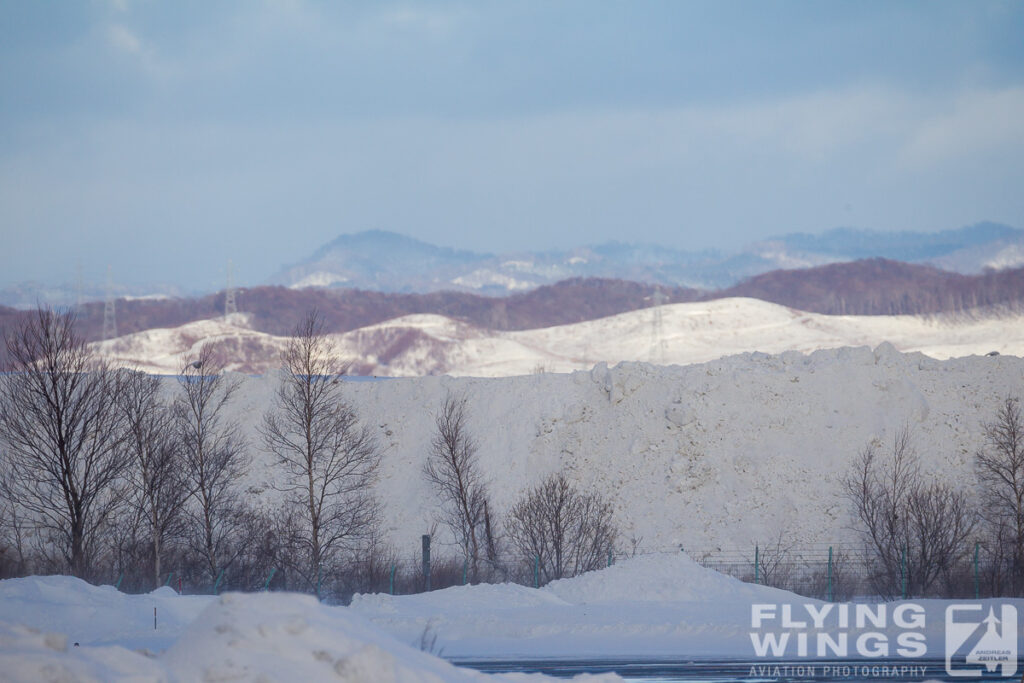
(658, 605)
(98, 615)
(263, 636)
(287, 637)
(659, 578)
(27, 654)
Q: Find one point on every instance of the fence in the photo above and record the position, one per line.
(838, 572)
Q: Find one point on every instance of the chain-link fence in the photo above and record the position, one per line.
(837, 572)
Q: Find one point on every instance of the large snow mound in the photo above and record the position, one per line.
(658, 578)
(655, 605)
(724, 455)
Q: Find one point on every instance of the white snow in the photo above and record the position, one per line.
(483, 277)
(664, 604)
(255, 637)
(717, 456)
(1011, 256)
(655, 606)
(319, 278)
(671, 334)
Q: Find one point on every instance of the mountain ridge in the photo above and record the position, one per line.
(869, 287)
(389, 261)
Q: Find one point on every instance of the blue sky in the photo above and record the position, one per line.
(168, 137)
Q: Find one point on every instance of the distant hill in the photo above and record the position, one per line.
(868, 287)
(883, 287)
(382, 261)
(386, 261)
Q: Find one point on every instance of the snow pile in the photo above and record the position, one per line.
(287, 637)
(98, 615)
(263, 636)
(658, 578)
(718, 456)
(27, 654)
(652, 605)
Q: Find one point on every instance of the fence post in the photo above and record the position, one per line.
(266, 586)
(830, 593)
(976, 585)
(757, 564)
(391, 583)
(903, 571)
(216, 585)
(426, 561)
(536, 571)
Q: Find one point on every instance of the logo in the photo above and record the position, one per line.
(980, 637)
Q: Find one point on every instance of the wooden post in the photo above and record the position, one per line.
(426, 561)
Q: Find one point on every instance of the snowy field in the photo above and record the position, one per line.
(662, 606)
(417, 345)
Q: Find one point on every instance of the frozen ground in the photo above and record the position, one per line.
(648, 607)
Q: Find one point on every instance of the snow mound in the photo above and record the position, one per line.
(659, 578)
(280, 636)
(97, 615)
(27, 654)
(252, 637)
(457, 599)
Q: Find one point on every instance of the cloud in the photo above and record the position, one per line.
(974, 123)
(122, 38)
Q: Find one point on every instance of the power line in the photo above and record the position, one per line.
(109, 310)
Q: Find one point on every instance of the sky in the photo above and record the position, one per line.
(165, 138)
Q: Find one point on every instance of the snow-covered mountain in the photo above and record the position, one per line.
(416, 345)
(390, 262)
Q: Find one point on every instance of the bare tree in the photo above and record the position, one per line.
(568, 532)
(914, 528)
(157, 476)
(453, 467)
(214, 458)
(1000, 468)
(329, 460)
(62, 460)
(775, 564)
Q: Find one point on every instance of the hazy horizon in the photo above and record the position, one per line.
(166, 139)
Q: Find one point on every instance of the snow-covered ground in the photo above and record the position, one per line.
(417, 345)
(236, 637)
(663, 606)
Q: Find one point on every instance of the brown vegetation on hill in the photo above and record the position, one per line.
(883, 287)
(868, 287)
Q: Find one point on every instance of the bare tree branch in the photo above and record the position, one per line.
(453, 468)
(63, 434)
(329, 460)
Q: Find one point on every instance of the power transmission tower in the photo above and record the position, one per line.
(230, 305)
(109, 312)
(657, 352)
(78, 290)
